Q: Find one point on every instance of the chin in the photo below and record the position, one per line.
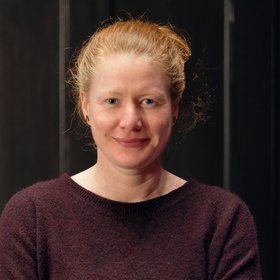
(139, 164)
(132, 165)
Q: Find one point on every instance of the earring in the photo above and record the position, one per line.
(94, 146)
(87, 118)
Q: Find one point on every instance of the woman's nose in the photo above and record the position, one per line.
(131, 118)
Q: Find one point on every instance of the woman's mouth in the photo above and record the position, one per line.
(131, 142)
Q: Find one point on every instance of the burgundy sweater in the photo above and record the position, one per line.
(59, 230)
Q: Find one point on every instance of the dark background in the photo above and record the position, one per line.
(235, 47)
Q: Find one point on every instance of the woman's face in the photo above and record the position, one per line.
(130, 112)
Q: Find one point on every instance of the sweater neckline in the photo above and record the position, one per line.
(127, 208)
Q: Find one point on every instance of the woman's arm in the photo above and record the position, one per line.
(18, 239)
(239, 257)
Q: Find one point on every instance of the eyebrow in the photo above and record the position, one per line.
(100, 96)
(159, 95)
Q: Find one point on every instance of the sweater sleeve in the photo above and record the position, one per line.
(239, 256)
(18, 239)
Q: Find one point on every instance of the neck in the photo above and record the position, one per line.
(128, 185)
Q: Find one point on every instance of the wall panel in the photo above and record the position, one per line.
(254, 123)
(28, 94)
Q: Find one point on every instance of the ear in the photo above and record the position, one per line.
(175, 109)
(84, 103)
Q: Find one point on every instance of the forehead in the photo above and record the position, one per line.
(128, 69)
(127, 60)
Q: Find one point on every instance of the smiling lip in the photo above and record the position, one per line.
(131, 142)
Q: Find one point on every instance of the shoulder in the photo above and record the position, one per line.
(39, 193)
(211, 194)
(220, 214)
(43, 188)
(214, 203)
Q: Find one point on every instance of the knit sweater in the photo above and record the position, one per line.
(59, 230)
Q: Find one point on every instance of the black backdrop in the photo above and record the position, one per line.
(235, 54)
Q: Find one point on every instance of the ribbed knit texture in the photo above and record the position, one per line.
(59, 230)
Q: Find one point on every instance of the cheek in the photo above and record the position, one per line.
(162, 126)
(101, 121)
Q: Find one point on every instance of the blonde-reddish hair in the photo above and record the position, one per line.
(159, 43)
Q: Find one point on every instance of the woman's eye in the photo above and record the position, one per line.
(112, 101)
(148, 101)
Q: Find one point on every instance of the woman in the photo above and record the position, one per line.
(126, 217)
